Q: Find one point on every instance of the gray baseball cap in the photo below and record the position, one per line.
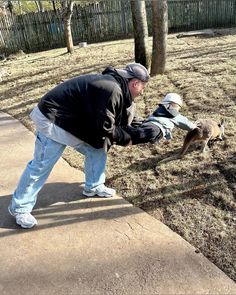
(134, 70)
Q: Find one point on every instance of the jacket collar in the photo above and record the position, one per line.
(162, 111)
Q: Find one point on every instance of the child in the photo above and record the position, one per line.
(161, 123)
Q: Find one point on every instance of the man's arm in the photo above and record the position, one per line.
(147, 132)
(108, 120)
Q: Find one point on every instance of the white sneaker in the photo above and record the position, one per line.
(101, 191)
(25, 220)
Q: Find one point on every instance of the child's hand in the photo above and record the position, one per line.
(198, 124)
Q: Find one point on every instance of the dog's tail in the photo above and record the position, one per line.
(191, 136)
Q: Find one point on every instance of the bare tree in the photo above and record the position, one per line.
(54, 5)
(20, 6)
(67, 10)
(139, 17)
(39, 5)
(160, 31)
(10, 6)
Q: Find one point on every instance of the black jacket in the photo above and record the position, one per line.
(91, 107)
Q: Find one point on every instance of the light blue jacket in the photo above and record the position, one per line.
(168, 122)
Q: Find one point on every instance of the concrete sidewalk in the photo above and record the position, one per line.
(92, 245)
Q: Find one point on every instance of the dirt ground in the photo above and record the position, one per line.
(194, 196)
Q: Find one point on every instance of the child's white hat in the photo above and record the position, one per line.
(172, 97)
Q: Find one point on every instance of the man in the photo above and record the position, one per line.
(89, 113)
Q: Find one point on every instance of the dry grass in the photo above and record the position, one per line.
(194, 196)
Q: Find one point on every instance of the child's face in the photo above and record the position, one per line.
(174, 106)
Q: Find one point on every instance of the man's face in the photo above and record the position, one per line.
(136, 88)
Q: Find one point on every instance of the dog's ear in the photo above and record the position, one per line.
(222, 128)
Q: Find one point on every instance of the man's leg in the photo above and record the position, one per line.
(94, 168)
(46, 154)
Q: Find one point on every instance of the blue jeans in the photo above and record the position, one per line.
(46, 154)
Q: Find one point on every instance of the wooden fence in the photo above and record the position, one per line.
(108, 20)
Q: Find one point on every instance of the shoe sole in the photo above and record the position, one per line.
(97, 194)
(24, 226)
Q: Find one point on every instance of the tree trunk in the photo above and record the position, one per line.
(10, 6)
(54, 6)
(160, 31)
(39, 5)
(20, 6)
(139, 17)
(67, 7)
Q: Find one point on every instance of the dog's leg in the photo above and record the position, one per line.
(205, 147)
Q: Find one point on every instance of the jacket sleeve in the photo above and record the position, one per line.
(109, 122)
(133, 118)
(147, 132)
(184, 123)
(115, 133)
